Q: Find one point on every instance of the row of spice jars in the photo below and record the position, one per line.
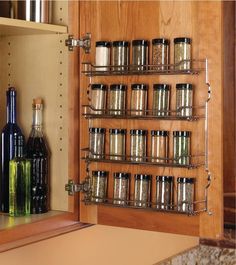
(138, 145)
(139, 99)
(164, 196)
(119, 55)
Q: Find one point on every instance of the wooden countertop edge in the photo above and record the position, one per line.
(42, 236)
(221, 243)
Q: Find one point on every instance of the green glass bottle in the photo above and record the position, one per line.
(19, 180)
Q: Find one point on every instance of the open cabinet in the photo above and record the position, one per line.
(34, 59)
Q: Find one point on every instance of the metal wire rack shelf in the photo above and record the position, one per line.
(196, 66)
(89, 112)
(151, 206)
(195, 160)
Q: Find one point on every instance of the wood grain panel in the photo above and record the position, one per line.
(229, 157)
(168, 223)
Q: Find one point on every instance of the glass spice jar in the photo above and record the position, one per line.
(138, 145)
(185, 194)
(142, 190)
(120, 55)
(159, 146)
(181, 145)
(117, 144)
(160, 53)
(164, 192)
(138, 104)
(161, 99)
(102, 58)
(182, 51)
(184, 100)
(140, 54)
(97, 143)
(121, 188)
(99, 186)
(98, 98)
(117, 99)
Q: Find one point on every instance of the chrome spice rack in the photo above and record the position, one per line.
(197, 66)
(90, 112)
(91, 70)
(197, 206)
(198, 160)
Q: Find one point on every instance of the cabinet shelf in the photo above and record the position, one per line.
(9, 27)
(90, 113)
(91, 70)
(167, 162)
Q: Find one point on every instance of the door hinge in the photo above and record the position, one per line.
(72, 187)
(84, 43)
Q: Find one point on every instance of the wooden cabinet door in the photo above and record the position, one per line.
(128, 20)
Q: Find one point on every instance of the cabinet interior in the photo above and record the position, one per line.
(37, 65)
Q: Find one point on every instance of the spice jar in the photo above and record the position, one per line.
(184, 99)
(121, 188)
(117, 144)
(138, 145)
(120, 55)
(181, 147)
(98, 98)
(138, 99)
(99, 186)
(182, 52)
(164, 192)
(102, 58)
(185, 194)
(142, 190)
(140, 54)
(117, 99)
(159, 150)
(161, 99)
(160, 53)
(97, 142)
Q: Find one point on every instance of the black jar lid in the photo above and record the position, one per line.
(100, 173)
(185, 180)
(182, 133)
(184, 86)
(120, 43)
(138, 132)
(103, 44)
(117, 131)
(140, 42)
(142, 177)
(182, 39)
(118, 87)
(165, 178)
(160, 41)
(121, 175)
(161, 87)
(159, 133)
(97, 130)
(139, 87)
(98, 86)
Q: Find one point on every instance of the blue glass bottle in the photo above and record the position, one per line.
(7, 148)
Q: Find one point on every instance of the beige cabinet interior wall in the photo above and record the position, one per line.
(37, 66)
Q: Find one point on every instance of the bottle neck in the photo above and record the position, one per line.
(37, 117)
(11, 107)
(19, 151)
(19, 146)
